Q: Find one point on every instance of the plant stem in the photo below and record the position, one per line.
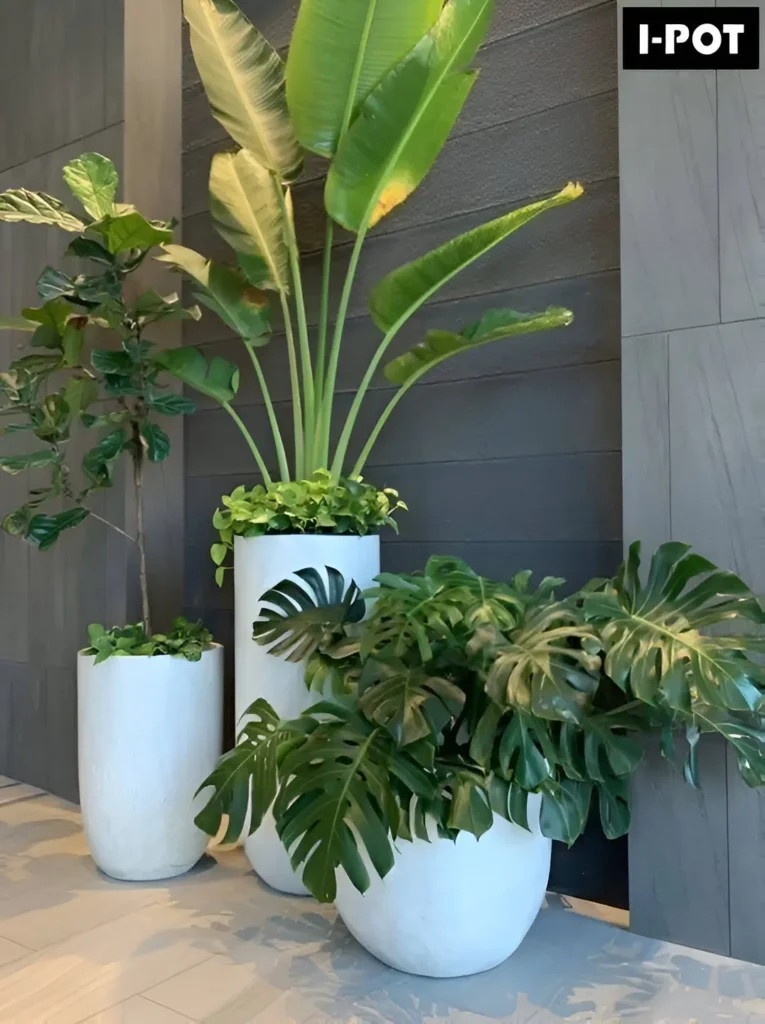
(337, 340)
(350, 421)
(321, 349)
(138, 468)
(305, 348)
(281, 454)
(250, 443)
(328, 384)
(297, 405)
(106, 522)
(362, 459)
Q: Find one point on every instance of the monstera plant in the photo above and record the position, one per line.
(373, 89)
(460, 699)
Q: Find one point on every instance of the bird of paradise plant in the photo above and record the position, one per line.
(375, 88)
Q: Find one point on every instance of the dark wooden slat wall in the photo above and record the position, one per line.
(61, 90)
(509, 458)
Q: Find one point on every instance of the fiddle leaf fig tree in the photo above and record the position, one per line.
(373, 87)
(90, 366)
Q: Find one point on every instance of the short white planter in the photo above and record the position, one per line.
(448, 909)
(150, 731)
(259, 564)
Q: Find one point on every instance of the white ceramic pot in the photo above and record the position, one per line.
(259, 564)
(150, 731)
(448, 909)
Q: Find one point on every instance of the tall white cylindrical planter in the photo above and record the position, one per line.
(150, 731)
(259, 564)
(448, 909)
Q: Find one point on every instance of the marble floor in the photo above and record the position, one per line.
(217, 946)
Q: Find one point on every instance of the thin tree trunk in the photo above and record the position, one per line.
(138, 463)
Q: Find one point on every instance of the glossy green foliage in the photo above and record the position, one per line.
(461, 697)
(51, 391)
(186, 639)
(318, 505)
(339, 53)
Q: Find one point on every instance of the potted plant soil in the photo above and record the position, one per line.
(373, 90)
(149, 704)
(471, 724)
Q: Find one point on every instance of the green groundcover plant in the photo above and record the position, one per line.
(62, 388)
(459, 697)
(371, 90)
(319, 505)
(186, 639)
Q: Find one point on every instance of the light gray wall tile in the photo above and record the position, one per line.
(717, 425)
(669, 197)
(741, 98)
(746, 829)
(678, 854)
(645, 440)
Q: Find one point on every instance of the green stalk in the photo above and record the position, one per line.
(321, 349)
(328, 385)
(362, 459)
(297, 405)
(337, 341)
(350, 421)
(251, 444)
(305, 348)
(281, 454)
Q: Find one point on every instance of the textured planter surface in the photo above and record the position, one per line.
(259, 564)
(150, 730)
(450, 909)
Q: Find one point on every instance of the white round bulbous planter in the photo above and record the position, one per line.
(150, 731)
(448, 909)
(259, 564)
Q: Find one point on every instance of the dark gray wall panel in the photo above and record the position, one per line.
(502, 165)
(576, 240)
(592, 338)
(510, 457)
(520, 76)
(491, 418)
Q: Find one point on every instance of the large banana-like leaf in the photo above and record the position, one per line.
(246, 211)
(19, 204)
(226, 291)
(653, 639)
(402, 292)
(406, 119)
(537, 668)
(495, 325)
(217, 379)
(409, 702)
(336, 793)
(337, 45)
(243, 77)
(247, 776)
(300, 619)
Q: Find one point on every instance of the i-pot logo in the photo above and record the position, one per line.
(685, 39)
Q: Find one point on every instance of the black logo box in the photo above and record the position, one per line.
(691, 39)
